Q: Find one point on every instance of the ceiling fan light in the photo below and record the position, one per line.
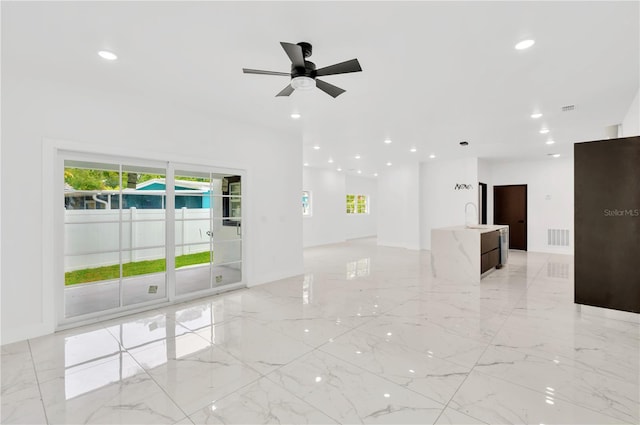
(303, 83)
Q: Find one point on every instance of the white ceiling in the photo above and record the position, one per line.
(434, 73)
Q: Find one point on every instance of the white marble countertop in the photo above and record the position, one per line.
(456, 252)
(479, 228)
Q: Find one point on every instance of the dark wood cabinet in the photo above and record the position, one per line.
(489, 250)
(607, 223)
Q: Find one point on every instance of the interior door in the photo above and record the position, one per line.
(510, 208)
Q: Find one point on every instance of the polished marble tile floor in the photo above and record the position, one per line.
(366, 335)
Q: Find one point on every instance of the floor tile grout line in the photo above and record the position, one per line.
(270, 379)
(565, 400)
(215, 346)
(484, 351)
(379, 376)
(349, 363)
(155, 382)
(532, 283)
(437, 356)
(227, 395)
(504, 380)
(35, 372)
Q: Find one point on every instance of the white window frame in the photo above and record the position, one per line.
(355, 204)
(54, 154)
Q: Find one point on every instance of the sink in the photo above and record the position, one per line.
(478, 226)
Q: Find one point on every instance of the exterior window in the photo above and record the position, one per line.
(306, 203)
(357, 204)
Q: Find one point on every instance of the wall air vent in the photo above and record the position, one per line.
(568, 108)
(558, 237)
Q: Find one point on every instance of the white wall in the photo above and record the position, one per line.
(441, 205)
(549, 197)
(398, 207)
(326, 223)
(362, 225)
(33, 110)
(631, 122)
(329, 223)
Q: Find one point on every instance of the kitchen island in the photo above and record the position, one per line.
(464, 253)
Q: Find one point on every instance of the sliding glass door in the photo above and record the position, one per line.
(208, 231)
(116, 223)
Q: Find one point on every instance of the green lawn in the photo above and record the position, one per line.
(132, 269)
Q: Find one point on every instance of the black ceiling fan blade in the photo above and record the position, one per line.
(259, 71)
(340, 68)
(329, 89)
(295, 54)
(286, 91)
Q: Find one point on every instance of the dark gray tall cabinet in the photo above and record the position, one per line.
(607, 223)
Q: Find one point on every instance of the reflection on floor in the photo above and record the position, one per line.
(366, 335)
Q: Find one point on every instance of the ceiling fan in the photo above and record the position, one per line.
(303, 72)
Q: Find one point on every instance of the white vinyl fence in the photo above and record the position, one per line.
(92, 237)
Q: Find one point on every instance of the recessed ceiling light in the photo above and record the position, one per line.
(316, 147)
(556, 155)
(330, 161)
(544, 131)
(387, 141)
(295, 115)
(375, 174)
(432, 156)
(357, 157)
(550, 142)
(525, 44)
(536, 115)
(105, 54)
(388, 164)
(306, 164)
(359, 171)
(413, 150)
(339, 169)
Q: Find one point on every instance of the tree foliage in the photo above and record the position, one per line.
(90, 179)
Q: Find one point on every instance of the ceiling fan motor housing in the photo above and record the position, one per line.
(309, 70)
(306, 48)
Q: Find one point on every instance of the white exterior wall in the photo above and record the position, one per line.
(35, 112)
